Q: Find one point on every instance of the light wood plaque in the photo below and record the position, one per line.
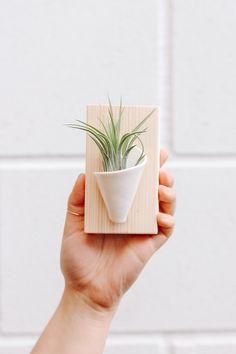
(143, 213)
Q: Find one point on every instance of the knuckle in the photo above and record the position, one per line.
(171, 222)
(168, 194)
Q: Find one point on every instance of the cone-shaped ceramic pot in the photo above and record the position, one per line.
(118, 188)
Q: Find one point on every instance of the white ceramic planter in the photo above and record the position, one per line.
(118, 188)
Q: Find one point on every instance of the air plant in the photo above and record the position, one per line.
(113, 147)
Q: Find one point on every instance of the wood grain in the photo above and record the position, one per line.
(143, 213)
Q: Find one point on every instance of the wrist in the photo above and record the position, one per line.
(73, 325)
(76, 304)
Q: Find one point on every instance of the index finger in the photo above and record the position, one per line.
(164, 154)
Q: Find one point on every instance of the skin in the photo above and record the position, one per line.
(98, 270)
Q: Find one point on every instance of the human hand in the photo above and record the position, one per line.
(99, 268)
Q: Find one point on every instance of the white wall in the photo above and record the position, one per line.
(57, 56)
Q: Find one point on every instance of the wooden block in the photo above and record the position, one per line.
(143, 213)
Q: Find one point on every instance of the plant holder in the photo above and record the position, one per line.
(118, 188)
(123, 201)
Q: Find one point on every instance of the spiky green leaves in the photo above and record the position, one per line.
(113, 147)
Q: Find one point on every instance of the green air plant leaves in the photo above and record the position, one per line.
(114, 148)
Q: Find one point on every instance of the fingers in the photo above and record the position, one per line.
(163, 156)
(166, 194)
(75, 206)
(165, 229)
(167, 204)
(167, 199)
(166, 224)
(166, 178)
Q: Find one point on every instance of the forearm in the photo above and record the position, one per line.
(75, 328)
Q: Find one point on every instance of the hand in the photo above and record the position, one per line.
(99, 268)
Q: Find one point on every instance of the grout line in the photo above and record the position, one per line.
(79, 164)
(142, 335)
(163, 338)
(17, 341)
(35, 164)
(169, 5)
(187, 333)
(164, 73)
(41, 156)
(166, 341)
(204, 155)
(207, 162)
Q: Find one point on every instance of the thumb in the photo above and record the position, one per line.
(75, 205)
(76, 198)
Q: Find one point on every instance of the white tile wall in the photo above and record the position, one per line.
(205, 345)
(15, 350)
(59, 56)
(185, 286)
(33, 204)
(115, 345)
(55, 58)
(135, 345)
(204, 76)
(15, 346)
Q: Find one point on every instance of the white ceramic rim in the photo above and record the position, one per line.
(124, 170)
